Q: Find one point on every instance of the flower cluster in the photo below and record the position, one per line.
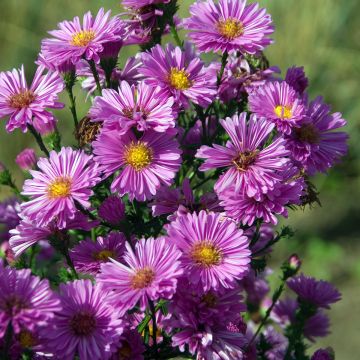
(148, 239)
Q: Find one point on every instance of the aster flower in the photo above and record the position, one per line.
(296, 78)
(26, 159)
(9, 212)
(145, 163)
(256, 287)
(149, 272)
(72, 42)
(317, 292)
(241, 207)
(27, 233)
(26, 105)
(314, 143)
(142, 106)
(279, 103)
(88, 325)
(137, 4)
(25, 300)
(214, 251)
(251, 166)
(88, 255)
(276, 344)
(180, 74)
(112, 210)
(63, 180)
(229, 25)
(323, 354)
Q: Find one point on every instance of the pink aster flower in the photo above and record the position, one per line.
(149, 272)
(136, 4)
(112, 210)
(279, 103)
(241, 207)
(72, 42)
(88, 255)
(314, 143)
(214, 251)
(26, 159)
(145, 163)
(317, 292)
(26, 105)
(63, 180)
(229, 25)
(25, 300)
(27, 233)
(87, 326)
(251, 166)
(143, 106)
(180, 74)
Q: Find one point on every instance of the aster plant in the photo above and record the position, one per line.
(148, 236)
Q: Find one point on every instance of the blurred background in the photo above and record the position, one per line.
(321, 35)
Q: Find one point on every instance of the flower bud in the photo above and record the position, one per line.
(291, 266)
(324, 354)
(26, 159)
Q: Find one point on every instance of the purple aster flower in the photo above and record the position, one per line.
(317, 292)
(136, 4)
(149, 272)
(251, 166)
(323, 354)
(88, 255)
(240, 78)
(26, 159)
(279, 103)
(314, 143)
(256, 288)
(72, 42)
(26, 105)
(9, 212)
(180, 74)
(241, 207)
(214, 251)
(296, 78)
(143, 106)
(66, 178)
(145, 163)
(277, 344)
(27, 233)
(265, 235)
(130, 347)
(284, 313)
(87, 326)
(25, 300)
(112, 210)
(229, 25)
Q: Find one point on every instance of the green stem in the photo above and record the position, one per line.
(153, 317)
(275, 298)
(70, 263)
(38, 139)
(7, 342)
(222, 69)
(95, 74)
(175, 34)
(69, 89)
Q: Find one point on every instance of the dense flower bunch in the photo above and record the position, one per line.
(149, 237)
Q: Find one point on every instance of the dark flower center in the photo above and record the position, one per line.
(13, 305)
(104, 255)
(125, 352)
(308, 133)
(243, 160)
(209, 299)
(21, 100)
(83, 324)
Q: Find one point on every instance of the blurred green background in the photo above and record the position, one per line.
(321, 35)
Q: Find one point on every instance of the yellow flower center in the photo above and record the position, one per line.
(125, 351)
(83, 324)
(60, 188)
(21, 100)
(283, 112)
(104, 255)
(138, 155)
(26, 339)
(143, 278)
(205, 254)
(230, 28)
(243, 160)
(308, 133)
(83, 38)
(179, 79)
